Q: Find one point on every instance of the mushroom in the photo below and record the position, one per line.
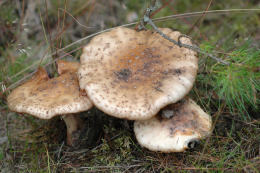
(188, 124)
(132, 75)
(45, 98)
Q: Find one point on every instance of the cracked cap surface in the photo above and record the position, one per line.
(189, 123)
(132, 75)
(45, 98)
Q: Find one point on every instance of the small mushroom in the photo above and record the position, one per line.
(183, 130)
(45, 98)
(132, 75)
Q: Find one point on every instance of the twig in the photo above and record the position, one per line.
(110, 167)
(200, 19)
(186, 21)
(49, 33)
(86, 27)
(180, 44)
(147, 13)
(58, 155)
(63, 22)
(146, 19)
(199, 13)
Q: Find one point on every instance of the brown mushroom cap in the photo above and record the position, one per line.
(132, 75)
(189, 123)
(45, 98)
(67, 66)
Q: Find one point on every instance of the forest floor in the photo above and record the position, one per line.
(34, 32)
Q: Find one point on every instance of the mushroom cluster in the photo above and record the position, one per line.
(133, 75)
(127, 74)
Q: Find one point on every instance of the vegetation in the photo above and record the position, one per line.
(33, 33)
(239, 83)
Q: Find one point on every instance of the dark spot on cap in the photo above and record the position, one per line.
(177, 71)
(148, 53)
(172, 130)
(157, 86)
(123, 74)
(107, 45)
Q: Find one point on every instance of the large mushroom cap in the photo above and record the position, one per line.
(44, 97)
(132, 75)
(188, 124)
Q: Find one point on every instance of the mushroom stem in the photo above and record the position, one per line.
(73, 124)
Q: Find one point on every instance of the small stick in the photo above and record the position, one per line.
(148, 12)
(146, 19)
(180, 44)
